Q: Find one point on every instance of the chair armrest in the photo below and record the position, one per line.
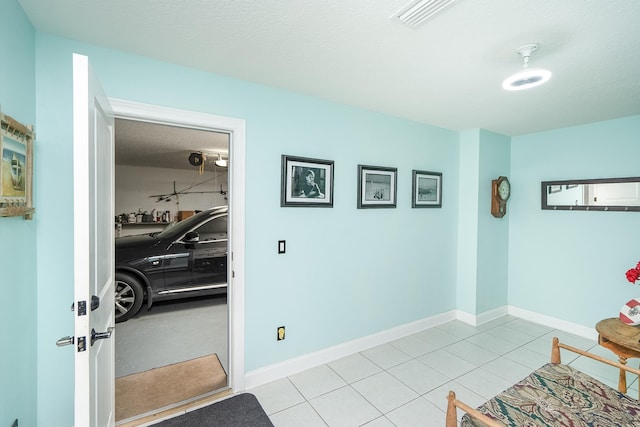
(452, 418)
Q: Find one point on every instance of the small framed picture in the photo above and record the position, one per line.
(426, 189)
(306, 182)
(377, 187)
(16, 168)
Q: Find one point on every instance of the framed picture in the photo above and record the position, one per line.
(426, 189)
(16, 168)
(377, 187)
(306, 182)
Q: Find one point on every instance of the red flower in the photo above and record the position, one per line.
(634, 274)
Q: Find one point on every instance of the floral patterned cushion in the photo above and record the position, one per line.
(558, 395)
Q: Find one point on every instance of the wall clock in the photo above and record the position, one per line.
(500, 192)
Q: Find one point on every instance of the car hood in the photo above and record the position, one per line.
(136, 242)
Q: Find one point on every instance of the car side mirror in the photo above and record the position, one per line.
(192, 237)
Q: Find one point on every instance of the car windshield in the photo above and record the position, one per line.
(182, 227)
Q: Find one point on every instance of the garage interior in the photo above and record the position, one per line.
(157, 182)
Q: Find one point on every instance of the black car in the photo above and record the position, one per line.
(186, 259)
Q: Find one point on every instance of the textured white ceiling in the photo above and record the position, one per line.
(162, 146)
(447, 73)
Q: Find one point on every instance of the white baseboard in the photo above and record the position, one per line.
(289, 367)
(487, 316)
(555, 323)
(292, 366)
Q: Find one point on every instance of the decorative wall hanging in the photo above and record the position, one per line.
(426, 189)
(602, 194)
(377, 187)
(16, 168)
(306, 182)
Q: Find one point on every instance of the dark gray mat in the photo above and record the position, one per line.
(241, 410)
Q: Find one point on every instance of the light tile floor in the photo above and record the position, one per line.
(405, 382)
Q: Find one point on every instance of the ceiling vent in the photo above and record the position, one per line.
(418, 12)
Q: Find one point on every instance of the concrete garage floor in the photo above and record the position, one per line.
(171, 332)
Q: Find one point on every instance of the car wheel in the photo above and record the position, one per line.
(129, 296)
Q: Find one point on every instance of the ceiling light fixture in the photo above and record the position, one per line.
(527, 77)
(220, 162)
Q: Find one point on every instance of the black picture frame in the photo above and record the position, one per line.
(426, 189)
(297, 191)
(377, 187)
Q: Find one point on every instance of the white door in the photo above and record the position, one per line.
(93, 248)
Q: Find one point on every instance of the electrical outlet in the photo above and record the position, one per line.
(15, 423)
(280, 334)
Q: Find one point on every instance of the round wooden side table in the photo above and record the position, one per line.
(623, 340)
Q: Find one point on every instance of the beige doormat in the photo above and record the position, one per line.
(157, 388)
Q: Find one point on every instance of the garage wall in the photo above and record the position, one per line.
(136, 185)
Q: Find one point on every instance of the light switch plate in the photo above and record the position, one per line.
(281, 246)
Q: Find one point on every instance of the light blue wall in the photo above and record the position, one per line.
(467, 270)
(493, 233)
(565, 264)
(482, 239)
(347, 272)
(18, 281)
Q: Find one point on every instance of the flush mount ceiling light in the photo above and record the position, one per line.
(527, 77)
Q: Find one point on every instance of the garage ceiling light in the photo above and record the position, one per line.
(221, 162)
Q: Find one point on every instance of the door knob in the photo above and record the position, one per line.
(65, 341)
(95, 336)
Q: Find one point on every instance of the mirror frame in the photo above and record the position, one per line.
(620, 208)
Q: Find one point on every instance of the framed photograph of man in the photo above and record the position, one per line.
(306, 182)
(426, 189)
(377, 187)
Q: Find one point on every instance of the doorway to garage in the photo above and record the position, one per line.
(165, 175)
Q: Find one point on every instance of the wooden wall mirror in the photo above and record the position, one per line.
(609, 194)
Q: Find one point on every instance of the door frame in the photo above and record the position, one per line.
(131, 110)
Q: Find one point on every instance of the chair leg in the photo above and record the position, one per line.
(555, 351)
(452, 419)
